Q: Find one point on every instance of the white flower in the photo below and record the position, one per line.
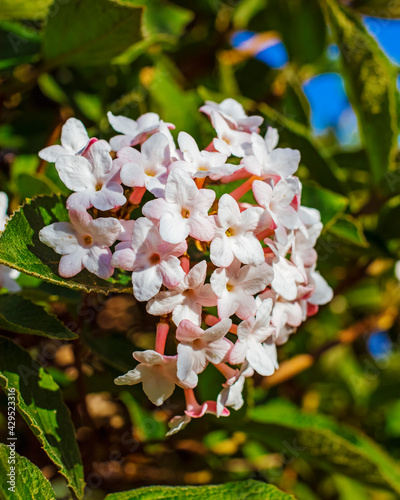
(149, 167)
(322, 293)
(134, 132)
(229, 141)
(74, 140)
(235, 287)
(178, 423)
(287, 276)
(186, 300)
(153, 261)
(157, 374)
(202, 163)
(266, 161)
(397, 270)
(83, 242)
(251, 334)
(277, 202)
(183, 211)
(286, 315)
(93, 177)
(234, 113)
(234, 234)
(197, 347)
(231, 394)
(304, 239)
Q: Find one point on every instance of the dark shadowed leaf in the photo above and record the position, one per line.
(20, 315)
(90, 32)
(39, 402)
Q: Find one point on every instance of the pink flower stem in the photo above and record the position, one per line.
(161, 337)
(265, 234)
(190, 398)
(185, 263)
(244, 188)
(210, 147)
(137, 195)
(226, 370)
(211, 320)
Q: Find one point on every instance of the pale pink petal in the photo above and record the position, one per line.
(164, 303)
(172, 272)
(71, 264)
(188, 331)
(74, 135)
(76, 172)
(185, 361)
(124, 259)
(146, 283)
(221, 253)
(174, 228)
(98, 261)
(60, 236)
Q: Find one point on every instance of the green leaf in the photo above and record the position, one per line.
(387, 9)
(162, 23)
(90, 32)
(20, 315)
(145, 425)
(18, 43)
(160, 17)
(115, 350)
(330, 204)
(331, 446)
(244, 490)
(371, 85)
(40, 403)
(23, 9)
(322, 167)
(174, 104)
(301, 25)
(350, 230)
(30, 484)
(21, 249)
(32, 185)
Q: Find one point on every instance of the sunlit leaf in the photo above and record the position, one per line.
(246, 490)
(23, 9)
(371, 85)
(30, 484)
(329, 445)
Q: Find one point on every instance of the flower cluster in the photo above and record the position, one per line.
(257, 279)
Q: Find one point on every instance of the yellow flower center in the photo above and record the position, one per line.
(88, 240)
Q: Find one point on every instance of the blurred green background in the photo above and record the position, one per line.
(324, 74)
